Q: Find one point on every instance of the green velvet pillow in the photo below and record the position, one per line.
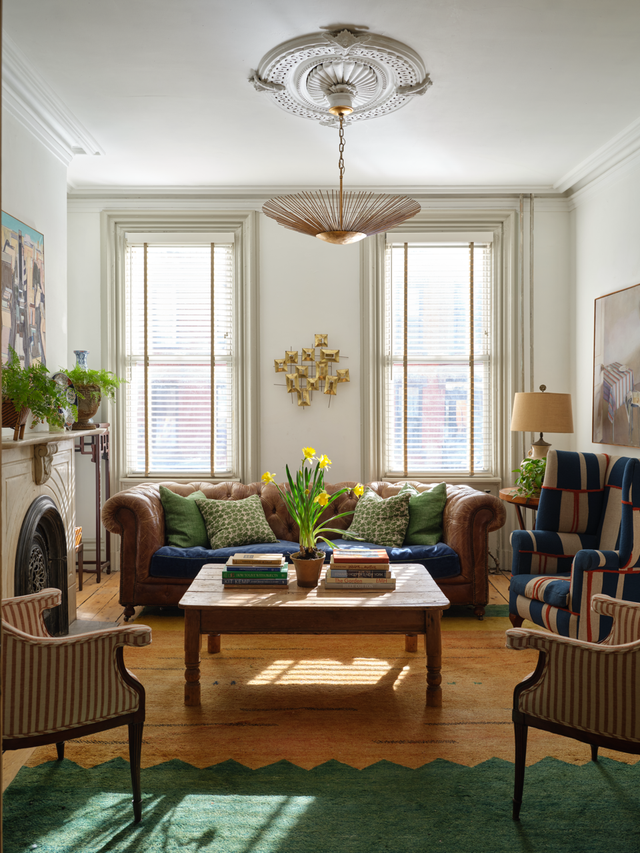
(183, 520)
(425, 514)
(381, 521)
(231, 523)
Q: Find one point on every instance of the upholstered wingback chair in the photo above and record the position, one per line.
(586, 691)
(56, 688)
(586, 541)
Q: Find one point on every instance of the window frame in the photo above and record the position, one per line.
(505, 346)
(243, 225)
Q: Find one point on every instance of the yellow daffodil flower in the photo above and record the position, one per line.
(358, 490)
(324, 461)
(322, 498)
(308, 452)
(268, 478)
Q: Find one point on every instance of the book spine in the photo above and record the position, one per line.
(244, 574)
(357, 573)
(382, 558)
(255, 565)
(269, 569)
(379, 571)
(255, 581)
(383, 587)
(374, 581)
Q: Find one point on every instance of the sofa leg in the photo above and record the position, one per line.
(516, 620)
(479, 611)
(129, 611)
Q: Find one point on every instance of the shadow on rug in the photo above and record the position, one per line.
(59, 807)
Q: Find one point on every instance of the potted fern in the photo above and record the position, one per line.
(91, 386)
(30, 389)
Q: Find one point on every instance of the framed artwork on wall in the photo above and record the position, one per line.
(23, 305)
(616, 368)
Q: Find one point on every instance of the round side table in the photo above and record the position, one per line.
(509, 495)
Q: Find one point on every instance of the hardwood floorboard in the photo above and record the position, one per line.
(498, 589)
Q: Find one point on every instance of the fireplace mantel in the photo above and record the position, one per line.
(42, 464)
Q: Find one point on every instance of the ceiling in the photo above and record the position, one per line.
(523, 90)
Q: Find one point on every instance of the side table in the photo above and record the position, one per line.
(98, 449)
(509, 495)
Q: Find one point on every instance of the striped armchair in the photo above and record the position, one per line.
(586, 691)
(586, 541)
(56, 688)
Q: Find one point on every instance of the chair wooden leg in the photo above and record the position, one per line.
(516, 620)
(520, 732)
(135, 752)
(60, 750)
(594, 752)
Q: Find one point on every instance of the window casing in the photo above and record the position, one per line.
(437, 359)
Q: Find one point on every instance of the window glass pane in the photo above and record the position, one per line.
(180, 437)
(428, 418)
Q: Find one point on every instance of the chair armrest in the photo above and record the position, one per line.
(71, 681)
(545, 552)
(625, 615)
(601, 680)
(25, 611)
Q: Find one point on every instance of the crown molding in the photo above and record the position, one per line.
(29, 99)
(96, 199)
(622, 146)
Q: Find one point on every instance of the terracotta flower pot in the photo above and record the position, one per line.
(88, 405)
(308, 571)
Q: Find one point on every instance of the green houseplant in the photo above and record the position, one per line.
(306, 499)
(530, 477)
(32, 389)
(91, 386)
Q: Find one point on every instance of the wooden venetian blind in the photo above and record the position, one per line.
(179, 359)
(438, 359)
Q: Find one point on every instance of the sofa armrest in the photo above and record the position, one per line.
(469, 516)
(136, 515)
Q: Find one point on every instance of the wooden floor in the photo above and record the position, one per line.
(98, 602)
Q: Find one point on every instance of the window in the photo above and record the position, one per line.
(180, 356)
(437, 362)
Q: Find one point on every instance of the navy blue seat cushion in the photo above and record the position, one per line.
(548, 589)
(169, 562)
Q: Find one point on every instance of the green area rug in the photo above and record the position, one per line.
(228, 808)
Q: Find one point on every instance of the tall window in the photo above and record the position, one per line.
(437, 370)
(180, 359)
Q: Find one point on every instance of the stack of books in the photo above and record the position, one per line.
(256, 570)
(359, 568)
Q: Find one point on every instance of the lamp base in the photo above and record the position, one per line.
(539, 448)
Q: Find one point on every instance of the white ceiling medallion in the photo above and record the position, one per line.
(376, 74)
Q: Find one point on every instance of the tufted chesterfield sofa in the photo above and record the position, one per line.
(151, 573)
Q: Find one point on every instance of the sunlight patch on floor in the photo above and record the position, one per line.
(360, 671)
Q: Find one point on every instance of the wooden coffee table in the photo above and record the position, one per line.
(414, 607)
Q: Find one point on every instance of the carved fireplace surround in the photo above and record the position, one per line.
(38, 518)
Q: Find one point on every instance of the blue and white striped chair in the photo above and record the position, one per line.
(586, 541)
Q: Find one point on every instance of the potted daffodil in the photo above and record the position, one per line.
(306, 499)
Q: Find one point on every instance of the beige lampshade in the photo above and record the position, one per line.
(540, 411)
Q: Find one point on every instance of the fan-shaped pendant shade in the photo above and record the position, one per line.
(337, 217)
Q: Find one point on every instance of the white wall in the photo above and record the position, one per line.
(34, 190)
(307, 286)
(606, 221)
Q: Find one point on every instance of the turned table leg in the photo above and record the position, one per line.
(192, 639)
(434, 658)
(213, 644)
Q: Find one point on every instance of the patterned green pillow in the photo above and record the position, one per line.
(425, 514)
(381, 521)
(231, 523)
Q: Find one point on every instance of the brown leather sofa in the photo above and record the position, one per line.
(136, 515)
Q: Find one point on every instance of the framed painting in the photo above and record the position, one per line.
(616, 368)
(23, 314)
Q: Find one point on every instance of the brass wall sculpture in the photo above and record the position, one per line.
(308, 371)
